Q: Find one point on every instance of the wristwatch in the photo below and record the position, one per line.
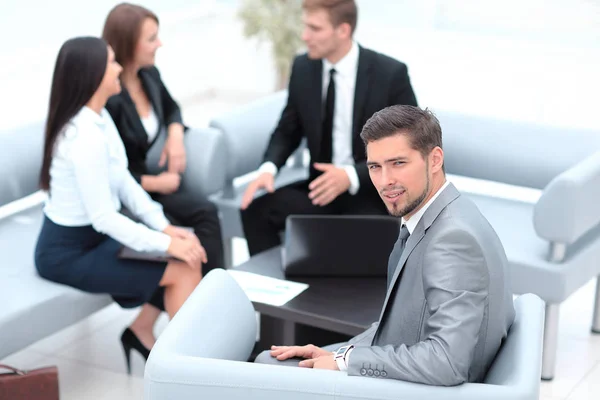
(340, 357)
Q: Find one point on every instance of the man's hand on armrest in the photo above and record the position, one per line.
(314, 357)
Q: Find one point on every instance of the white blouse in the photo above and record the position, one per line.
(151, 125)
(89, 178)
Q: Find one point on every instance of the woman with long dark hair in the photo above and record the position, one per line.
(142, 112)
(85, 173)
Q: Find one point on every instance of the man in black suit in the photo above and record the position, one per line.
(334, 89)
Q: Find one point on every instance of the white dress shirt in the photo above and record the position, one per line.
(345, 84)
(89, 179)
(411, 224)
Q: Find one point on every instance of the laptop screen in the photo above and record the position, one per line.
(339, 246)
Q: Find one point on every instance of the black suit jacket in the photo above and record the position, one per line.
(381, 81)
(122, 110)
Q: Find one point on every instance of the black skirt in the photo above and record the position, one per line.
(87, 260)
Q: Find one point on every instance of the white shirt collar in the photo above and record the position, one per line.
(411, 224)
(87, 114)
(347, 66)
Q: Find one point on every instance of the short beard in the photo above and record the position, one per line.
(412, 206)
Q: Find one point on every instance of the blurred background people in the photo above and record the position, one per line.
(85, 173)
(144, 110)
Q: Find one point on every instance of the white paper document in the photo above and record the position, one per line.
(263, 289)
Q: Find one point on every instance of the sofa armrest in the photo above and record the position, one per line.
(569, 206)
(21, 161)
(206, 160)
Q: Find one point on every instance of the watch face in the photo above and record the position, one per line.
(341, 351)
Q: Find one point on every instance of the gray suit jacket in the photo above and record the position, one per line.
(448, 305)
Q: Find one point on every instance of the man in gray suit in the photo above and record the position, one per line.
(448, 305)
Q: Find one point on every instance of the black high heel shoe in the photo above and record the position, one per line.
(130, 341)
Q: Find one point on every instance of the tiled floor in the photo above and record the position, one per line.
(91, 363)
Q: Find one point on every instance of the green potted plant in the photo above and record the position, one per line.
(278, 22)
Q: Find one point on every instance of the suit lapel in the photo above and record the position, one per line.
(449, 194)
(138, 132)
(153, 92)
(361, 90)
(411, 243)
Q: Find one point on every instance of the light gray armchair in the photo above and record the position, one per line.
(247, 131)
(200, 355)
(553, 245)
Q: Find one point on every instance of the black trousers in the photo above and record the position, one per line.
(185, 209)
(265, 218)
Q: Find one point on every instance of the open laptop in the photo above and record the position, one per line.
(339, 246)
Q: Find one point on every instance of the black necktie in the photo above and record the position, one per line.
(327, 133)
(397, 252)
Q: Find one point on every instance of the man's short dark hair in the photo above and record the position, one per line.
(340, 11)
(420, 126)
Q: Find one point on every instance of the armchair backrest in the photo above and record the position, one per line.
(247, 131)
(206, 160)
(512, 152)
(20, 161)
(519, 361)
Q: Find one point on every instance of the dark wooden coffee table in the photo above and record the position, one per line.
(330, 310)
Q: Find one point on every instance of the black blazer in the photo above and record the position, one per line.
(381, 81)
(122, 110)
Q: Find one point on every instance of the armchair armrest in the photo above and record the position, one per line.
(569, 206)
(185, 378)
(206, 164)
(206, 160)
(216, 321)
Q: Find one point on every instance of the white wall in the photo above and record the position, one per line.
(532, 60)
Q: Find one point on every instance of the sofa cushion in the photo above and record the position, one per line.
(33, 308)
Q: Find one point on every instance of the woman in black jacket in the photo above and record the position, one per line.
(143, 110)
